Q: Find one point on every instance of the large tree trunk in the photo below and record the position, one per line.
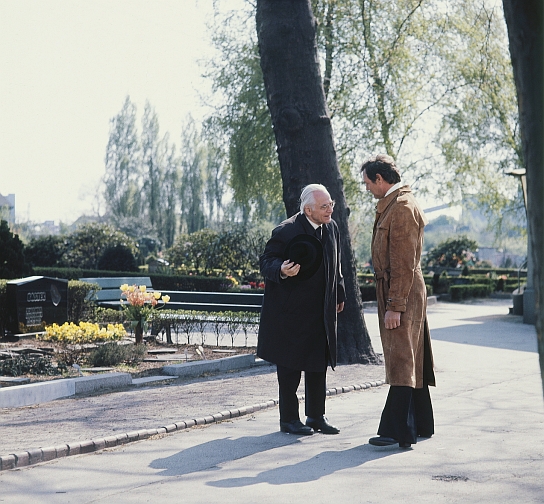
(525, 19)
(286, 32)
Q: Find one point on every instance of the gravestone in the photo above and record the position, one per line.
(34, 302)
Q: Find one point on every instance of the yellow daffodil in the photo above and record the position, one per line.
(165, 298)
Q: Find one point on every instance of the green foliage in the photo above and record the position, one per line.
(113, 354)
(22, 365)
(80, 301)
(243, 117)
(122, 194)
(234, 249)
(3, 307)
(45, 250)
(460, 292)
(117, 258)
(12, 258)
(108, 316)
(452, 253)
(87, 244)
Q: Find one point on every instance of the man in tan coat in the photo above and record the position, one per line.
(397, 241)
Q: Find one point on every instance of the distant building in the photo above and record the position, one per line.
(7, 208)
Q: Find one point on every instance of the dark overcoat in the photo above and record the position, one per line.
(298, 317)
(397, 242)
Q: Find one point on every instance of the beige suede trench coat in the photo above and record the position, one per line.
(397, 241)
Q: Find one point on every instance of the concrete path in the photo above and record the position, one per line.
(488, 446)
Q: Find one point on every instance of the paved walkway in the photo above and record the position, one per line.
(488, 447)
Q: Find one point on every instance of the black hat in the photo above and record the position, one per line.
(306, 250)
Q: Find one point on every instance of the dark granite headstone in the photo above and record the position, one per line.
(35, 301)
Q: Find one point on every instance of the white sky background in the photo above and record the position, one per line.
(66, 67)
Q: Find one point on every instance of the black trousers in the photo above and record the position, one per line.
(408, 413)
(315, 392)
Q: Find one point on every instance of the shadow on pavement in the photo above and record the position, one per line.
(210, 455)
(497, 331)
(324, 464)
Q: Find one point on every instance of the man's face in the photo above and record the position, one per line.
(377, 188)
(321, 211)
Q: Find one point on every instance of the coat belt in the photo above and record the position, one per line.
(379, 274)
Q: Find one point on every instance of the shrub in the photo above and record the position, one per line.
(80, 300)
(12, 257)
(118, 258)
(3, 305)
(23, 364)
(85, 246)
(452, 253)
(109, 316)
(112, 354)
(45, 250)
(460, 292)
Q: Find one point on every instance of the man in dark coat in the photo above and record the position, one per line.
(301, 301)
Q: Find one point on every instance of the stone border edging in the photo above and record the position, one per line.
(37, 455)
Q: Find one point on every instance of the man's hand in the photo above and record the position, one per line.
(392, 319)
(340, 307)
(289, 269)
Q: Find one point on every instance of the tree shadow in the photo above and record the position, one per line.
(506, 332)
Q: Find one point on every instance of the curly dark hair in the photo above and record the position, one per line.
(384, 165)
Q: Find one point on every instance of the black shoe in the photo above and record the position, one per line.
(382, 441)
(322, 425)
(296, 427)
(387, 441)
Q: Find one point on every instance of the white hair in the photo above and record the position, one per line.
(307, 197)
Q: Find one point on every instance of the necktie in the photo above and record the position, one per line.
(318, 233)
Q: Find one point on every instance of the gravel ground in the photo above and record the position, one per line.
(98, 416)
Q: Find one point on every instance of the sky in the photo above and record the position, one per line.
(66, 69)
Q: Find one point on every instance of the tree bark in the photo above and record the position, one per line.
(286, 31)
(525, 19)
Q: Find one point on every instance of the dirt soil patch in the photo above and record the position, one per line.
(157, 355)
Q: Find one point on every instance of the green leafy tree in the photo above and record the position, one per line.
(45, 251)
(243, 117)
(123, 178)
(193, 166)
(452, 253)
(479, 134)
(170, 191)
(235, 248)
(153, 152)
(85, 246)
(117, 258)
(12, 257)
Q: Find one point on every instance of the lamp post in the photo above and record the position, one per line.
(529, 314)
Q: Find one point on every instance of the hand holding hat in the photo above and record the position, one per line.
(306, 251)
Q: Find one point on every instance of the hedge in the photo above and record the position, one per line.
(160, 282)
(460, 292)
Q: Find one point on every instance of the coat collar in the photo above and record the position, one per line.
(385, 202)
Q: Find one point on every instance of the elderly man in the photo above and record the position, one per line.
(304, 291)
(397, 241)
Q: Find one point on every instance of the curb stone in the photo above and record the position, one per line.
(37, 455)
